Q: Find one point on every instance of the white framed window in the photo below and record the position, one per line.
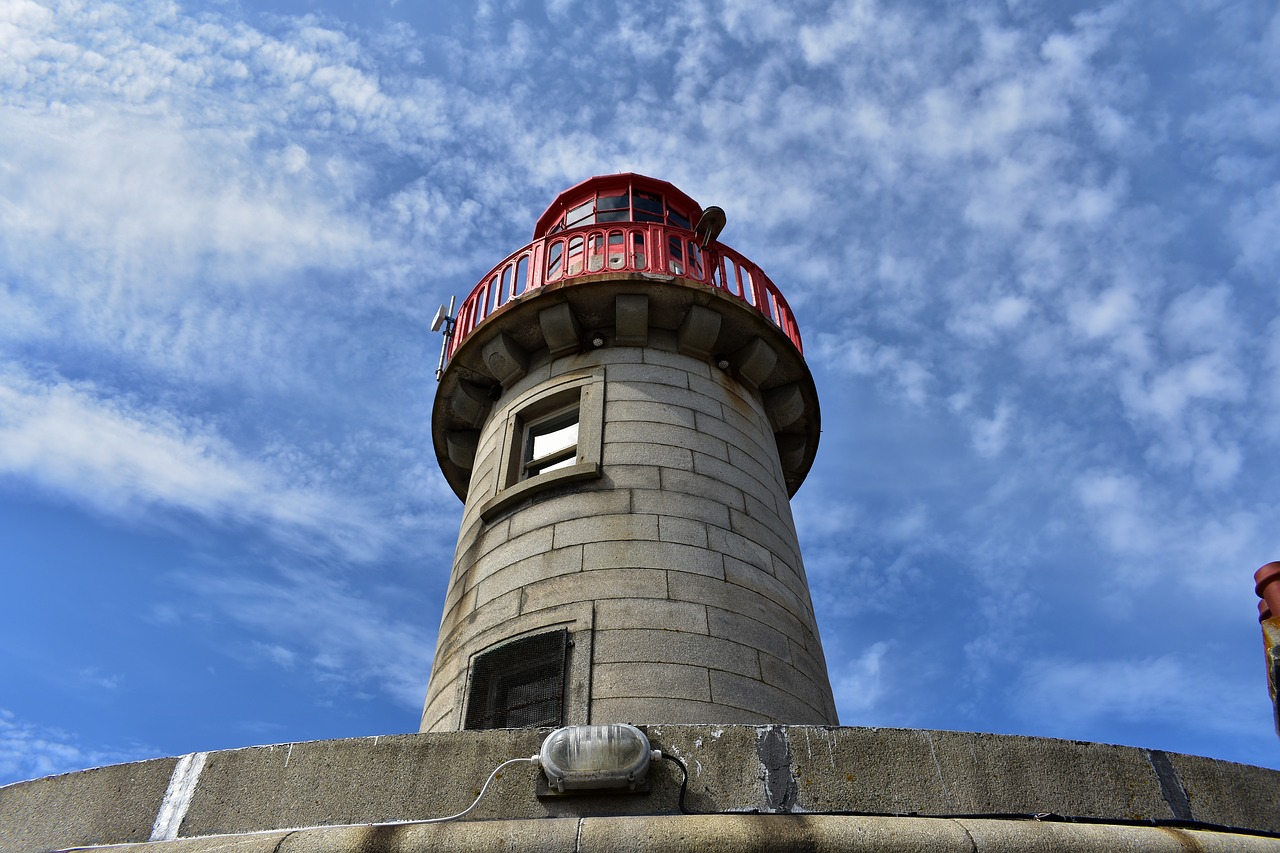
(550, 443)
(553, 437)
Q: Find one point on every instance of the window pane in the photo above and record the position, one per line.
(650, 203)
(547, 443)
(678, 219)
(578, 215)
(535, 470)
(614, 202)
(613, 216)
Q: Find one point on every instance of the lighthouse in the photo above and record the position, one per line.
(625, 411)
(628, 657)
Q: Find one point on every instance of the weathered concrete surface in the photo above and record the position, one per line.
(772, 770)
(1222, 792)
(894, 770)
(106, 805)
(731, 834)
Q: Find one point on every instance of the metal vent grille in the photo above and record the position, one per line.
(520, 684)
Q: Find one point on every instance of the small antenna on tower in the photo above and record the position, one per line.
(444, 317)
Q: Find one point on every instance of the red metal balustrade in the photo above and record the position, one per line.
(625, 247)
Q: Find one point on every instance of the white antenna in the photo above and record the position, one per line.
(444, 317)
(442, 314)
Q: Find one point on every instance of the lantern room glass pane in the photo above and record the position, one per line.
(614, 208)
(580, 215)
(649, 203)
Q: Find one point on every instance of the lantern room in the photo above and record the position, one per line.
(618, 198)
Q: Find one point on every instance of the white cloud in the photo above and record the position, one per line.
(1156, 689)
(990, 435)
(858, 684)
(861, 356)
(1000, 209)
(1201, 319)
(340, 635)
(124, 460)
(276, 654)
(850, 26)
(29, 751)
(985, 321)
(1106, 314)
(1255, 221)
(1166, 397)
(1119, 510)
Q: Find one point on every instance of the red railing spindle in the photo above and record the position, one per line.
(718, 266)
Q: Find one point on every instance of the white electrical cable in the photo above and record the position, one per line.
(534, 760)
(483, 788)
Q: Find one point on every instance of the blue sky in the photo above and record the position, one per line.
(1031, 246)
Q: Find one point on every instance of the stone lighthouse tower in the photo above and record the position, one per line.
(625, 410)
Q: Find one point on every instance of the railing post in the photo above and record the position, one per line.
(758, 294)
(537, 258)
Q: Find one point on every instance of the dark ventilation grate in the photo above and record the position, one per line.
(520, 684)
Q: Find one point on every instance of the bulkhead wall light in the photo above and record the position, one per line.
(597, 757)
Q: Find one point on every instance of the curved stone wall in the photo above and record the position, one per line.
(668, 551)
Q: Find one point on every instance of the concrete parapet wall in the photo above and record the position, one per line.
(807, 772)
(733, 834)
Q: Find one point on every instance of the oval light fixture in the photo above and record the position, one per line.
(615, 755)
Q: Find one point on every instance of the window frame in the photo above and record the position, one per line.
(583, 391)
(534, 466)
(495, 673)
(588, 211)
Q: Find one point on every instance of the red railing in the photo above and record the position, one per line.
(622, 247)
